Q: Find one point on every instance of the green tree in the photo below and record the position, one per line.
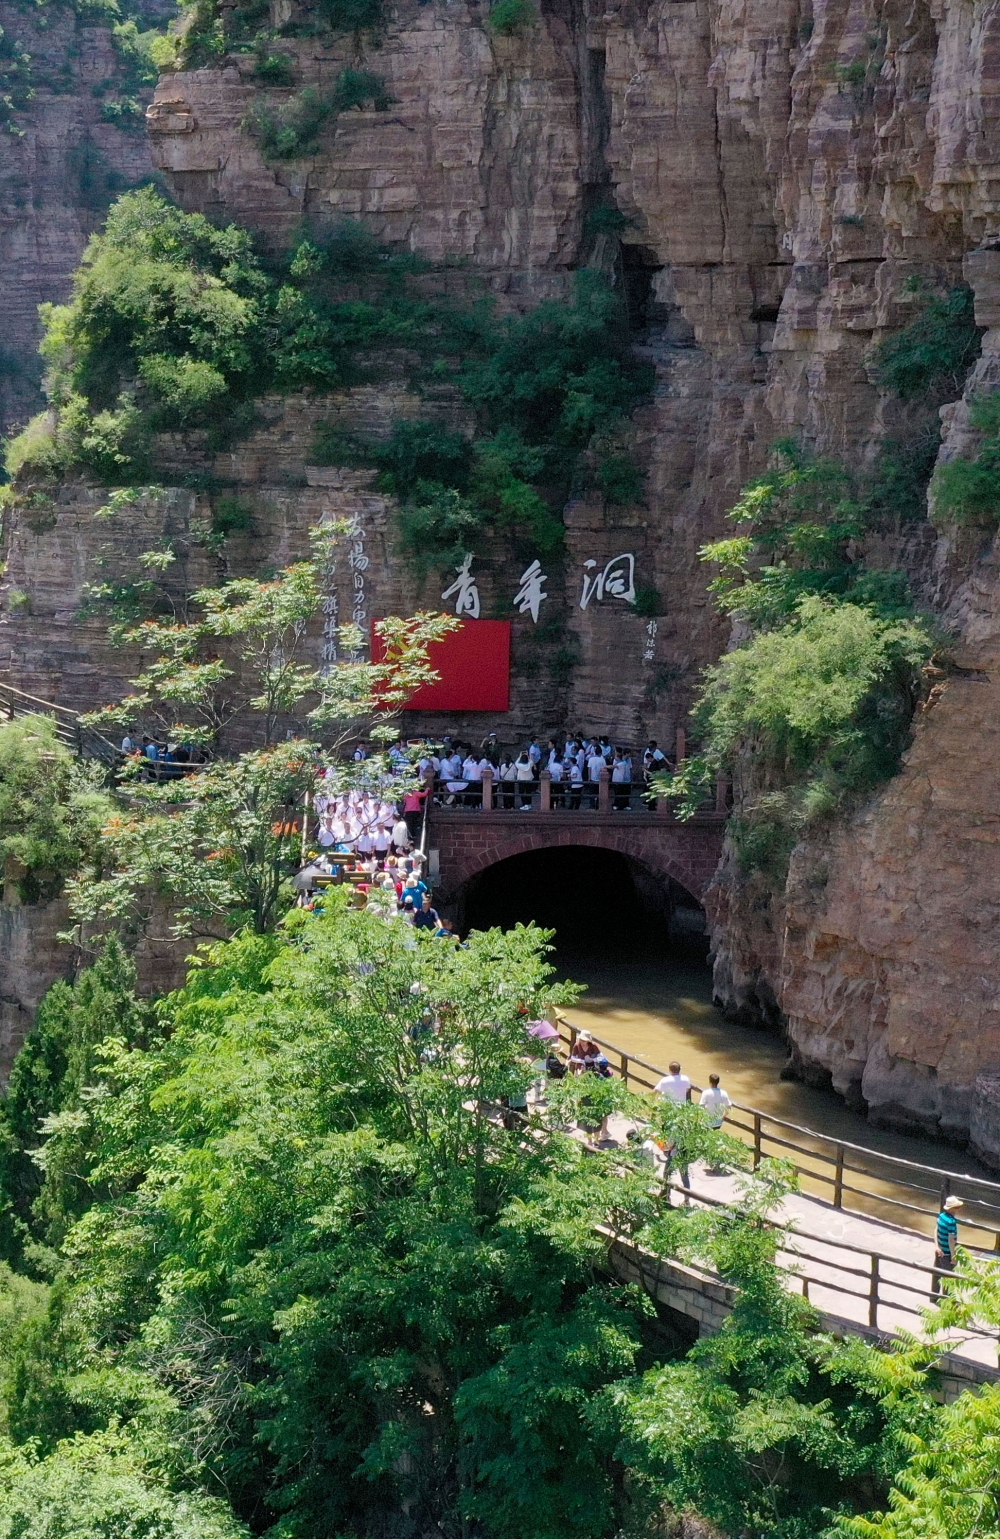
(766, 1427)
(46, 1094)
(219, 850)
(98, 1488)
(807, 718)
(949, 1486)
(51, 807)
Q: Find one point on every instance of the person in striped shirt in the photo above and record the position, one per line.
(947, 1238)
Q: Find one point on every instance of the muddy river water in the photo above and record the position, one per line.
(662, 1009)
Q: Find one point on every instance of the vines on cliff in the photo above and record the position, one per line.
(176, 325)
(813, 711)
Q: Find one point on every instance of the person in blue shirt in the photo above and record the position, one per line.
(947, 1238)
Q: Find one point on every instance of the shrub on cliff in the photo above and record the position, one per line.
(967, 492)
(177, 325)
(511, 17)
(293, 129)
(932, 356)
(541, 385)
(813, 711)
(51, 807)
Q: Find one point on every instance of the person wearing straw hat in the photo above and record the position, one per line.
(947, 1237)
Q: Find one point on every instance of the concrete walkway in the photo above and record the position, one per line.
(837, 1280)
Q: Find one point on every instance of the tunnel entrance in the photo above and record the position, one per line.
(599, 902)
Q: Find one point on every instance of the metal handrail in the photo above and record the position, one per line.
(70, 731)
(872, 1273)
(943, 1180)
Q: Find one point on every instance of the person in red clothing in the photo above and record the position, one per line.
(413, 811)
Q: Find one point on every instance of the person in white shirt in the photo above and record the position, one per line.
(674, 1086)
(576, 784)
(715, 1102)
(595, 764)
(524, 772)
(621, 779)
(472, 770)
(555, 788)
(400, 834)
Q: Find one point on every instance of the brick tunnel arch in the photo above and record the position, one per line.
(673, 853)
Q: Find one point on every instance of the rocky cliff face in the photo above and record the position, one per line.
(784, 169)
(72, 140)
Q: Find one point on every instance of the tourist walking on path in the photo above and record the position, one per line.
(947, 1239)
(715, 1102)
(674, 1086)
(413, 811)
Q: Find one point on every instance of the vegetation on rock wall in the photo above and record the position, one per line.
(813, 711)
(965, 491)
(292, 129)
(209, 31)
(932, 356)
(176, 324)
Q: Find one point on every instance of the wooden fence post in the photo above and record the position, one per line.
(604, 791)
(873, 1296)
(756, 1139)
(487, 790)
(545, 791)
(838, 1178)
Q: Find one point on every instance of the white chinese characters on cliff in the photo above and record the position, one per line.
(615, 580)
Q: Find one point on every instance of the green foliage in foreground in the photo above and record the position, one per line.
(175, 324)
(98, 1488)
(51, 807)
(47, 1091)
(812, 713)
(316, 1273)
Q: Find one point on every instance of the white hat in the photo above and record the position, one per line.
(952, 1202)
(586, 1037)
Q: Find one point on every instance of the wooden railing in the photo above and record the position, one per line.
(543, 794)
(912, 1188)
(69, 729)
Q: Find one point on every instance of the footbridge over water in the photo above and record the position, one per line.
(497, 822)
(856, 1238)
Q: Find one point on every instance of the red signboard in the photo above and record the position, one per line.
(474, 667)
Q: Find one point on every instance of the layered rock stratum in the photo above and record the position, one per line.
(785, 170)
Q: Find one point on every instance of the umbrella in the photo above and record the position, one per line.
(544, 1030)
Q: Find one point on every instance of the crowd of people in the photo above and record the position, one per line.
(161, 759)
(574, 764)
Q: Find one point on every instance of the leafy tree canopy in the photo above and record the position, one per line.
(51, 807)
(177, 324)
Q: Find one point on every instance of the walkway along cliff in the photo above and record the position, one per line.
(774, 188)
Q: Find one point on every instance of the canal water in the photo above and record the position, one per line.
(660, 1008)
(653, 998)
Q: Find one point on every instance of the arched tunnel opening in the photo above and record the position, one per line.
(600, 903)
